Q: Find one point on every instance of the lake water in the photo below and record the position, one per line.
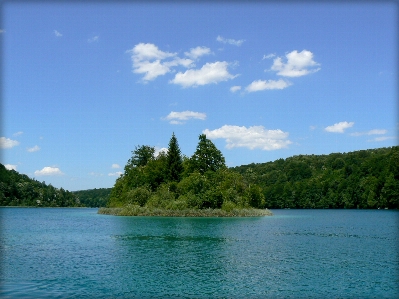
(76, 253)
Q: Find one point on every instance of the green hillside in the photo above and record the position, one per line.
(93, 198)
(19, 190)
(366, 179)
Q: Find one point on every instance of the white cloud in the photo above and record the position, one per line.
(96, 174)
(147, 60)
(235, 88)
(298, 64)
(10, 167)
(267, 84)
(252, 137)
(93, 39)
(177, 118)
(57, 34)
(176, 122)
(7, 142)
(230, 41)
(268, 56)
(116, 166)
(151, 69)
(312, 128)
(180, 61)
(197, 52)
(48, 171)
(339, 127)
(149, 51)
(377, 132)
(371, 132)
(118, 173)
(2, 31)
(209, 73)
(160, 150)
(33, 149)
(18, 133)
(383, 138)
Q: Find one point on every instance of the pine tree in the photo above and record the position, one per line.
(207, 156)
(174, 161)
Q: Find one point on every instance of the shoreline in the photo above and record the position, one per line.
(143, 211)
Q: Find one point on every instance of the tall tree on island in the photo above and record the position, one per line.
(141, 156)
(174, 162)
(206, 157)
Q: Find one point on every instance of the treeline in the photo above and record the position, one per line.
(171, 181)
(93, 198)
(366, 179)
(19, 190)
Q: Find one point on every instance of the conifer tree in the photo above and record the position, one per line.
(174, 161)
(207, 156)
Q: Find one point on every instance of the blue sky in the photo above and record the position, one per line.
(83, 84)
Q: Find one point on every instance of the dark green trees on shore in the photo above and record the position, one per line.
(366, 179)
(172, 182)
(19, 190)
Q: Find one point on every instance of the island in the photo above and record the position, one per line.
(170, 184)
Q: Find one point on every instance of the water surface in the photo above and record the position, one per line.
(76, 253)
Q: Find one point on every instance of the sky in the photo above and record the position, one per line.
(84, 84)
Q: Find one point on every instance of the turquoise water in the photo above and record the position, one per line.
(76, 253)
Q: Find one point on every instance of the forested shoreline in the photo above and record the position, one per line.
(21, 191)
(365, 179)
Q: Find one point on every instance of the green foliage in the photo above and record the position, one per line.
(367, 179)
(19, 190)
(141, 155)
(206, 157)
(138, 196)
(362, 179)
(159, 183)
(93, 198)
(174, 162)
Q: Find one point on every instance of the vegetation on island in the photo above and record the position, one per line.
(170, 184)
(365, 179)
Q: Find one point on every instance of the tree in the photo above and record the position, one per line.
(206, 157)
(174, 161)
(141, 156)
(390, 192)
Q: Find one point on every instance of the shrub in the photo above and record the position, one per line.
(191, 200)
(138, 196)
(228, 206)
(177, 205)
(161, 198)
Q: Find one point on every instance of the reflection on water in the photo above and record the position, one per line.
(67, 253)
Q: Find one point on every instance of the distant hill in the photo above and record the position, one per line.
(19, 190)
(93, 198)
(366, 179)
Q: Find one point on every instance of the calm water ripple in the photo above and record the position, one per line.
(76, 253)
